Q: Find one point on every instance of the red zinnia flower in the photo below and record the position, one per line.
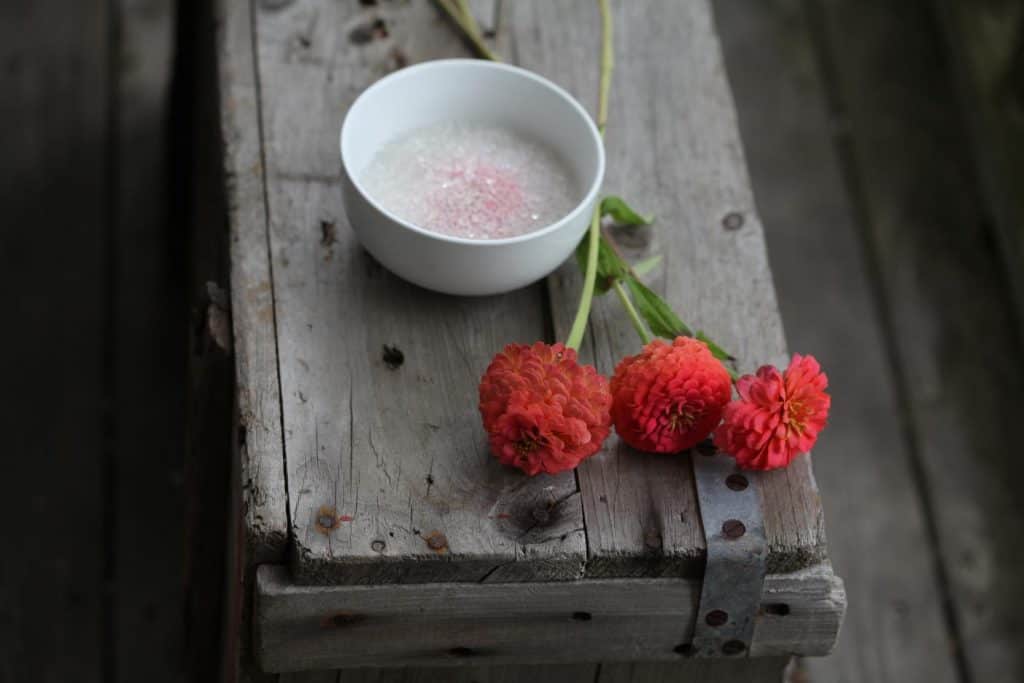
(543, 411)
(778, 415)
(669, 397)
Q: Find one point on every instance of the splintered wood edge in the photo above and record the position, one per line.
(300, 628)
(258, 439)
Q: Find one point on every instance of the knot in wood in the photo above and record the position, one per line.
(733, 221)
(326, 519)
(541, 514)
(437, 541)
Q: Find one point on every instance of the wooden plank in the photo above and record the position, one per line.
(389, 475)
(678, 156)
(770, 670)
(259, 489)
(444, 624)
(878, 540)
(985, 41)
(737, 671)
(551, 673)
(149, 328)
(57, 623)
(946, 306)
(259, 439)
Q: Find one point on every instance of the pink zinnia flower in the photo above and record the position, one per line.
(543, 411)
(669, 397)
(777, 417)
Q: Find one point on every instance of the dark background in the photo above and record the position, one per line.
(886, 145)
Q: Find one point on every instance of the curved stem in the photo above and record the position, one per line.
(607, 63)
(579, 324)
(458, 13)
(634, 317)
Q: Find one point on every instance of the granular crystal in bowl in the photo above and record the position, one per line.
(469, 177)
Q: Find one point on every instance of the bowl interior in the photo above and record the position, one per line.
(473, 91)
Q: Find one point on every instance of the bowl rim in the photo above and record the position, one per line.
(411, 71)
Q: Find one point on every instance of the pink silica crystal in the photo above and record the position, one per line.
(472, 181)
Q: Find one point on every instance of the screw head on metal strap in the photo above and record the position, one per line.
(730, 510)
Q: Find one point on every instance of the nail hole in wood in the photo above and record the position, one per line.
(686, 650)
(392, 357)
(777, 609)
(461, 652)
(582, 616)
(733, 528)
(737, 482)
(732, 221)
(716, 617)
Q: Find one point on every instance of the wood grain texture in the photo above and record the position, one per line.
(389, 475)
(947, 308)
(260, 444)
(894, 629)
(768, 670)
(985, 44)
(55, 194)
(444, 624)
(149, 331)
(674, 151)
(259, 487)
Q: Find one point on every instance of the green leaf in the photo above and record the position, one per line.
(660, 317)
(609, 265)
(716, 350)
(647, 265)
(622, 213)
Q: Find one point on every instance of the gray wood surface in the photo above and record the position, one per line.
(679, 157)
(261, 450)
(746, 670)
(56, 620)
(382, 460)
(894, 629)
(389, 477)
(947, 309)
(149, 326)
(259, 487)
(985, 44)
(445, 624)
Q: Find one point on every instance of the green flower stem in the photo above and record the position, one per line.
(634, 317)
(458, 12)
(579, 324)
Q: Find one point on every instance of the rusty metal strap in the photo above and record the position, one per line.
(730, 510)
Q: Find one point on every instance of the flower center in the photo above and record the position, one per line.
(793, 415)
(526, 445)
(680, 419)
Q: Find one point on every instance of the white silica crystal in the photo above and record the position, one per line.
(471, 180)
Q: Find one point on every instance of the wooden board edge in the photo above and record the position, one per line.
(258, 435)
(445, 624)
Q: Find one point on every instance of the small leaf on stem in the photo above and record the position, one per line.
(660, 317)
(610, 265)
(647, 265)
(716, 350)
(622, 213)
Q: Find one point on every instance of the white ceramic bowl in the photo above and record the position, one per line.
(476, 91)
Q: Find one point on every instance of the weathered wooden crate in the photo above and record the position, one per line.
(375, 529)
